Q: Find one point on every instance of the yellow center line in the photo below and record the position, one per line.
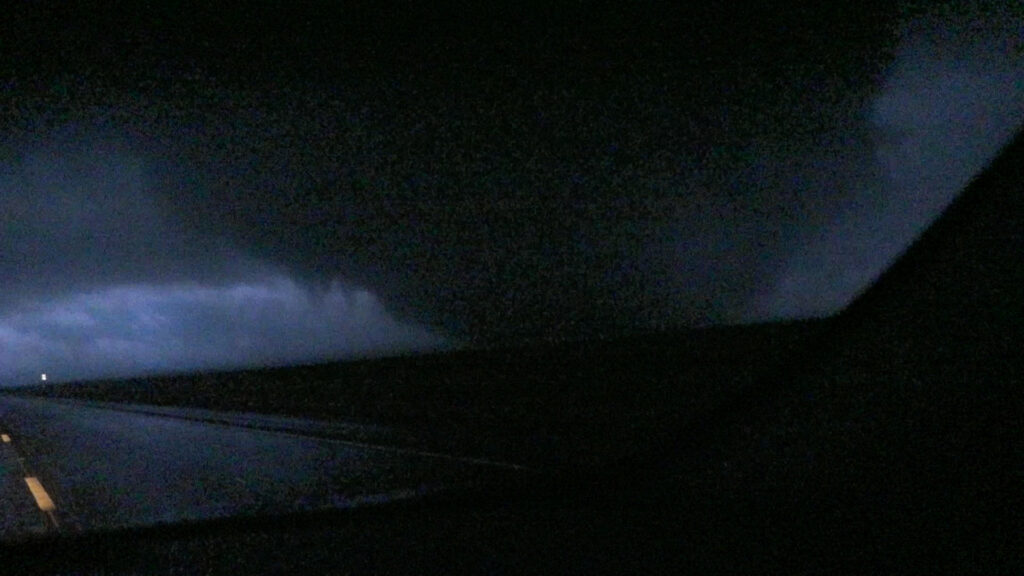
(39, 493)
(6, 439)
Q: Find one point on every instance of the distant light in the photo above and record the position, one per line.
(43, 377)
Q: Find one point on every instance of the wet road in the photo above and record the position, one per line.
(71, 467)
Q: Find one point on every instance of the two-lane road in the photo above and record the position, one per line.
(71, 467)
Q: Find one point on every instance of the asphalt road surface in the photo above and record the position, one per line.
(73, 467)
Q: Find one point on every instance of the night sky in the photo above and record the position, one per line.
(192, 187)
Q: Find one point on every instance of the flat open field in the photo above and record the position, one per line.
(560, 404)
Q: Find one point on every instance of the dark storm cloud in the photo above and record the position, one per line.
(497, 176)
(171, 327)
(624, 192)
(105, 275)
(557, 185)
(953, 96)
(84, 211)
